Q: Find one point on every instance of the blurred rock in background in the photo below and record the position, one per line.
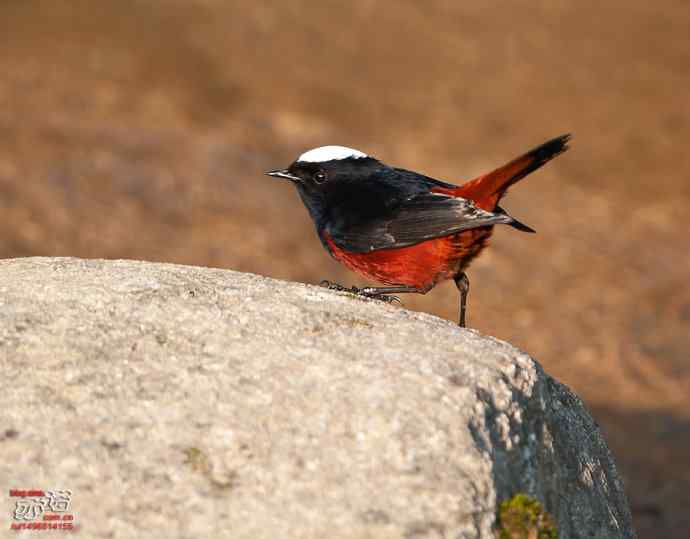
(141, 130)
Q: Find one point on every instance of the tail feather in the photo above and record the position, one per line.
(487, 190)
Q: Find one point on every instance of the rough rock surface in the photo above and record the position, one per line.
(191, 402)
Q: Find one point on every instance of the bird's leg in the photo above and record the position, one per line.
(463, 284)
(380, 293)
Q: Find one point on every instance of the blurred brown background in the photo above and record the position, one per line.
(140, 129)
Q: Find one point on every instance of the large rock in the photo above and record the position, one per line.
(191, 402)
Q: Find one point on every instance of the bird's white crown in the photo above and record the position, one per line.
(330, 153)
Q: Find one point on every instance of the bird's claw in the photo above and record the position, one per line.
(334, 286)
(338, 287)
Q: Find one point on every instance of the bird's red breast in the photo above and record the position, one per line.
(421, 265)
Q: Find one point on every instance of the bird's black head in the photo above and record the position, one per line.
(329, 176)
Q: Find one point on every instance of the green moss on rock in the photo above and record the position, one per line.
(523, 517)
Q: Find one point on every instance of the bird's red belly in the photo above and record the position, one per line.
(421, 265)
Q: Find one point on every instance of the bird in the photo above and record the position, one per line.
(402, 228)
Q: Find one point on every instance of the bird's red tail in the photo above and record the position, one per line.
(487, 190)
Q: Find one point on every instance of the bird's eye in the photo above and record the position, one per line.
(319, 176)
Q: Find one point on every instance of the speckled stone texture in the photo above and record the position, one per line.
(191, 402)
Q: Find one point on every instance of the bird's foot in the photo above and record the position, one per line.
(376, 294)
(371, 293)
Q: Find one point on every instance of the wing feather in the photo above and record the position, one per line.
(417, 219)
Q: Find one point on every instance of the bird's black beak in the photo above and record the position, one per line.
(283, 174)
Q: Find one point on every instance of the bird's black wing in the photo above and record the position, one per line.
(419, 218)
